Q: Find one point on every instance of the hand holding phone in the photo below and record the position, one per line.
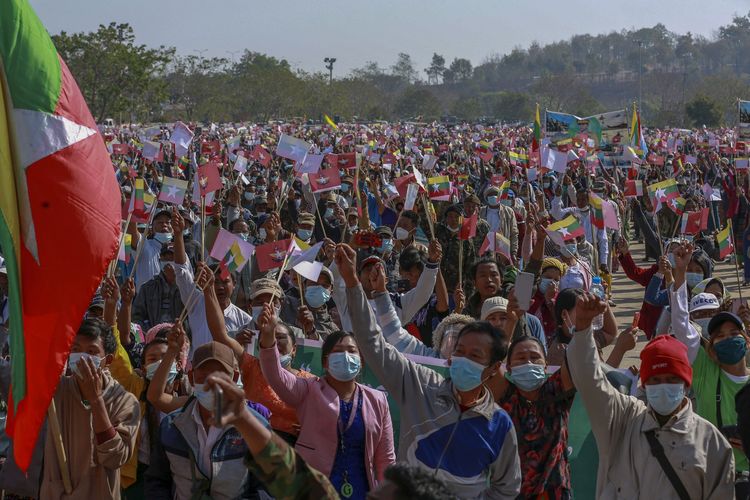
(522, 290)
(218, 406)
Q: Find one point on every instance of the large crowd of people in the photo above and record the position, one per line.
(458, 267)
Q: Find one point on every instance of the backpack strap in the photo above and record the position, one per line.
(657, 450)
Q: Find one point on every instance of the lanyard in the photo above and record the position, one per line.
(356, 401)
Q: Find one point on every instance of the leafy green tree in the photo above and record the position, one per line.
(436, 69)
(404, 68)
(116, 76)
(417, 102)
(703, 110)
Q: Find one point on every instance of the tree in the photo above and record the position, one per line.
(703, 110)
(404, 68)
(418, 102)
(460, 69)
(114, 74)
(436, 69)
(466, 108)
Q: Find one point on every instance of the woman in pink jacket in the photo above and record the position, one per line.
(346, 430)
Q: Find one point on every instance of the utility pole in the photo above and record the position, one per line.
(329, 66)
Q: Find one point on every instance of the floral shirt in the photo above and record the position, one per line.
(542, 431)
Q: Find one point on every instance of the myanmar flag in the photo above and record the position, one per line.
(59, 214)
(677, 205)
(597, 211)
(662, 192)
(724, 239)
(439, 188)
(569, 228)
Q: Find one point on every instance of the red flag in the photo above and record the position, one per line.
(344, 160)
(468, 227)
(691, 222)
(120, 149)
(325, 180)
(271, 255)
(210, 148)
(704, 218)
(347, 139)
(209, 179)
(260, 155)
(402, 184)
(483, 153)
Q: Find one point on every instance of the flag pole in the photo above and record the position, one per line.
(203, 227)
(734, 257)
(62, 459)
(322, 225)
(299, 286)
(429, 216)
(460, 262)
(142, 239)
(281, 270)
(113, 263)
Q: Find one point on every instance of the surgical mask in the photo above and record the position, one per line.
(465, 373)
(262, 234)
(730, 351)
(163, 237)
(328, 213)
(671, 259)
(528, 377)
(454, 229)
(304, 234)
(693, 279)
(297, 204)
(665, 398)
(386, 246)
(703, 323)
(345, 188)
(343, 366)
(317, 296)
(544, 284)
(569, 250)
(204, 396)
(285, 360)
(151, 369)
(76, 357)
(507, 203)
(244, 236)
(256, 311)
(402, 234)
(260, 212)
(492, 200)
(164, 263)
(249, 196)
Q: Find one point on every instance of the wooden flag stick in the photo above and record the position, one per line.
(299, 286)
(283, 266)
(734, 257)
(322, 225)
(429, 216)
(203, 228)
(62, 459)
(113, 264)
(460, 262)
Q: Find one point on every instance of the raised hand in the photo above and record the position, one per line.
(346, 262)
(435, 252)
(234, 404)
(588, 306)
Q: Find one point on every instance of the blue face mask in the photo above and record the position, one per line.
(386, 246)
(730, 351)
(693, 279)
(328, 213)
(672, 262)
(544, 284)
(317, 296)
(665, 398)
(465, 373)
(151, 369)
(304, 234)
(285, 360)
(569, 250)
(492, 200)
(345, 188)
(507, 203)
(528, 377)
(343, 366)
(163, 237)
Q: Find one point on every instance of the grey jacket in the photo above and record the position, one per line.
(475, 452)
(698, 452)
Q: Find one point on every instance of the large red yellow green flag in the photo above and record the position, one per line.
(59, 214)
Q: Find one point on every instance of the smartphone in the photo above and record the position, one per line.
(523, 288)
(218, 406)
(636, 319)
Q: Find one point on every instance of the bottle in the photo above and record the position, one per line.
(598, 290)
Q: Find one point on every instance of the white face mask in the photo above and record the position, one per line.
(401, 234)
(262, 234)
(256, 311)
(703, 323)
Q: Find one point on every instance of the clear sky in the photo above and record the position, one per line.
(356, 31)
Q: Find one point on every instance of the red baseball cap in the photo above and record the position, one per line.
(665, 355)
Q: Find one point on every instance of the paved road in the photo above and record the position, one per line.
(628, 296)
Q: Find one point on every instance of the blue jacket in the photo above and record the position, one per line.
(174, 474)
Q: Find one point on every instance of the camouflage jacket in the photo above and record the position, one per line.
(449, 265)
(286, 475)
